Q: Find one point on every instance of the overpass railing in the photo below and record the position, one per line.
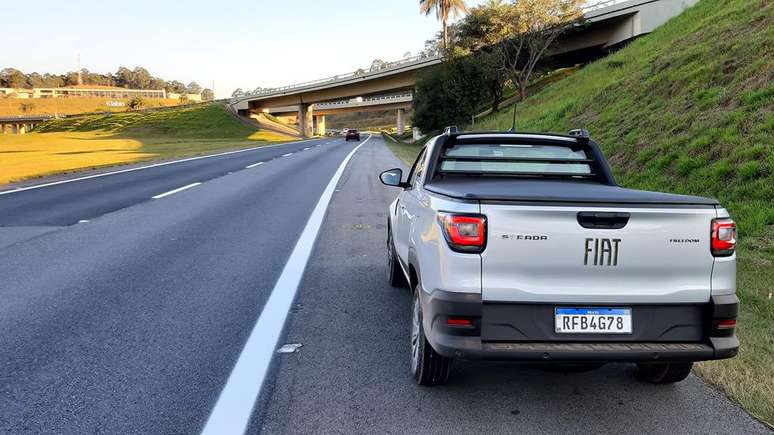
(375, 69)
(382, 99)
(593, 5)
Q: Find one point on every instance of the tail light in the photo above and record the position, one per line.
(723, 327)
(464, 232)
(723, 237)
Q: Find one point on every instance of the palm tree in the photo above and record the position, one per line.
(443, 8)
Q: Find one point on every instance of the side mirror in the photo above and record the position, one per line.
(392, 177)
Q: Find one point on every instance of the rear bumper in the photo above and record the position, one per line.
(476, 341)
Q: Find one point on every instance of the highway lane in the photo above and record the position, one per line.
(132, 322)
(351, 374)
(70, 202)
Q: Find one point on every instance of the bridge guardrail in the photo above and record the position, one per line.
(366, 100)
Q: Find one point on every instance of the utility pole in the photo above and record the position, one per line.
(80, 76)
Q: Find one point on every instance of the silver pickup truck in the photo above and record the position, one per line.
(522, 247)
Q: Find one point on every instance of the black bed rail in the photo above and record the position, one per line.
(515, 159)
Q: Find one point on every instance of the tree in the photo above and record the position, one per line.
(13, 78)
(533, 27)
(141, 78)
(124, 77)
(193, 88)
(480, 34)
(443, 9)
(208, 95)
(377, 64)
(175, 87)
(449, 93)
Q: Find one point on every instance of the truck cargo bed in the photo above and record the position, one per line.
(548, 191)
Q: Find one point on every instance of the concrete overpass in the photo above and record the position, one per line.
(400, 102)
(21, 124)
(608, 24)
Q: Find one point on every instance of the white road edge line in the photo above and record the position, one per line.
(105, 174)
(172, 192)
(287, 154)
(232, 411)
(253, 165)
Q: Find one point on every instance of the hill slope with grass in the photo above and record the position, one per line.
(690, 109)
(94, 141)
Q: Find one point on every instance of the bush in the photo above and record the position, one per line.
(135, 103)
(449, 94)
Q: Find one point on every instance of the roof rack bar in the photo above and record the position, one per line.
(515, 159)
(520, 174)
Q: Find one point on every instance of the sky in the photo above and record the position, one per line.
(233, 43)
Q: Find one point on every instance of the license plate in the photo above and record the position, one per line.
(593, 320)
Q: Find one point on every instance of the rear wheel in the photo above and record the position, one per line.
(395, 274)
(663, 373)
(427, 365)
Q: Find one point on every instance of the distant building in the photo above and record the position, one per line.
(188, 97)
(84, 91)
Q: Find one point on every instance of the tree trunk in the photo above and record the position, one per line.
(522, 91)
(445, 36)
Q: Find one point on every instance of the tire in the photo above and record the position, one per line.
(395, 275)
(427, 365)
(663, 373)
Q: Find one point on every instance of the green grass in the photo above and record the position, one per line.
(690, 109)
(404, 151)
(96, 141)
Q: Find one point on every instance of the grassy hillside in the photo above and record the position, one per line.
(690, 109)
(104, 140)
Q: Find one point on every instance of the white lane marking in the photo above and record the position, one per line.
(172, 192)
(307, 148)
(232, 411)
(253, 165)
(288, 154)
(105, 174)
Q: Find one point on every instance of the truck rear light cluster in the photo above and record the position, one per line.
(464, 232)
(723, 327)
(723, 237)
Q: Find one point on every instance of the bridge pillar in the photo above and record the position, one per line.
(401, 121)
(320, 119)
(302, 119)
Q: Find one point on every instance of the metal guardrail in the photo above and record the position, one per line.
(599, 4)
(365, 101)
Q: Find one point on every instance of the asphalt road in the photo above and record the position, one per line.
(133, 321)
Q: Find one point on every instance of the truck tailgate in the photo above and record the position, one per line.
(544, 254)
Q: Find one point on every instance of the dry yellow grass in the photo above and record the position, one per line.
(73, 144)
(33, 155)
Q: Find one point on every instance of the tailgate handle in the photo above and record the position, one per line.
(603, 220)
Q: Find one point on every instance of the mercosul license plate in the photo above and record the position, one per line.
(595, 320)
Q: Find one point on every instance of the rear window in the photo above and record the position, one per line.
(515, 159)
